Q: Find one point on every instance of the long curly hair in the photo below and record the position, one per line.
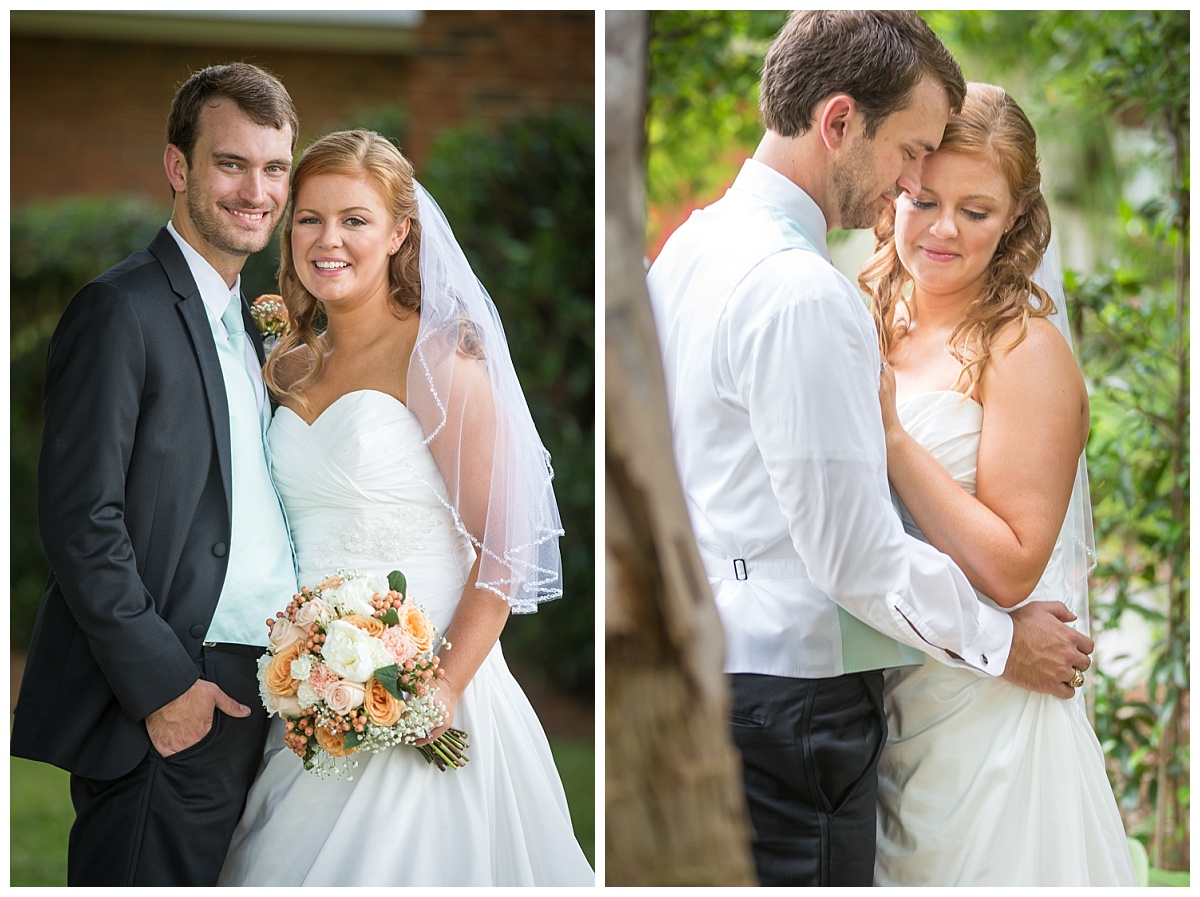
(992, 124)
(352, 153)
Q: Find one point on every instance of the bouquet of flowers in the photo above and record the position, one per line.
(271, 317)
(351, 666)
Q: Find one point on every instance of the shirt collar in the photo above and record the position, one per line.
(212, 286)
(770, 187)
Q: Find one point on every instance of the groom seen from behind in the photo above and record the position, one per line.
(772, 373)
(166, 540)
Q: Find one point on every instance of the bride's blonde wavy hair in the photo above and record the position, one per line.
(991, 124)
(354, 154)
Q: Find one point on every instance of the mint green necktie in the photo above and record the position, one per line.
(238, 341)
(261, 574)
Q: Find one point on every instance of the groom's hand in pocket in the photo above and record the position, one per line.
(1046, 652)
(176, 726)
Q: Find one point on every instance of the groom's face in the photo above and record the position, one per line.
(237, 183)
(873, 172)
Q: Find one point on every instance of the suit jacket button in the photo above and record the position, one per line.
(197, 631)
(219, 549)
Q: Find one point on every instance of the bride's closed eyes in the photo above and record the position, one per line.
(926, 205)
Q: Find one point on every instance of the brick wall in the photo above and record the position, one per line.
(89, 116)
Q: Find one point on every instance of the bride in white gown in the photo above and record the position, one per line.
(982, 782)
(403, 443)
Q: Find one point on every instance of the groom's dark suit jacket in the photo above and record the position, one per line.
(133, 510)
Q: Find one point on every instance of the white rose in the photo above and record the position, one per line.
(306, 695)
(354, 596)
(302, 667)
(351, 653)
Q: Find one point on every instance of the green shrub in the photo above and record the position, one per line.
(521, 200)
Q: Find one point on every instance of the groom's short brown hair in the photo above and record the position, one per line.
(258, 94)
(875, 56)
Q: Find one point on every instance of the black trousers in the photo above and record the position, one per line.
(169, 821)
(809, 753)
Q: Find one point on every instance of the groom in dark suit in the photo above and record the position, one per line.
(167, 542)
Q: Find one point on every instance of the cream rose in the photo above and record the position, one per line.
(316, 610)
(344, 696)
(287, 707)
(284, 632)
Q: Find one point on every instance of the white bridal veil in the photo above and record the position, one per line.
(1076, 540)
(463, 389)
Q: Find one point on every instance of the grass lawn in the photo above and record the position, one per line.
(40, 816)
(40, 813)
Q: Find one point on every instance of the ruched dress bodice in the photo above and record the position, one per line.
(362, 492)
(982, 782)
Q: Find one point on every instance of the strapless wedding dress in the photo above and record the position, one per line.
(356, 498)
(982, 782)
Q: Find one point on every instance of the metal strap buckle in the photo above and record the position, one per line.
(739, 569)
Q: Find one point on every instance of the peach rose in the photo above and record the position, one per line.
(370, 625)
(332, 582)
(278, 676)
(333, 745)
(344, 696)
(383, 709)
(416, 624)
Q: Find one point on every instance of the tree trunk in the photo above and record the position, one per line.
(675, 814)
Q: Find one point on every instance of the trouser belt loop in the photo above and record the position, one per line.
(739, 569)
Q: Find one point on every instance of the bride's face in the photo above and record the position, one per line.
(342, 239)
(947, 233)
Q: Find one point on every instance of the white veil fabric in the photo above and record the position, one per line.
(463, 389)
(1076, 539)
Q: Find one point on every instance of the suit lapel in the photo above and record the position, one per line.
(191, 309)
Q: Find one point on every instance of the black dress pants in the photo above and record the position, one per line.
(809, 753)
(169, 821)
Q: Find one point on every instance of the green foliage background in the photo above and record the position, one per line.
(1109, 95)
(521, 200)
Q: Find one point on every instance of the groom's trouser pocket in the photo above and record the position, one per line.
(169, 821)
(809, 749)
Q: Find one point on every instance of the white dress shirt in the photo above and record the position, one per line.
(772, 377)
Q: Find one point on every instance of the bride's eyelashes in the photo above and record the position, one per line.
(350, 222)
(926, 206)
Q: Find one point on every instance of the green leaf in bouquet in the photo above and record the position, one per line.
(389, 678)
(352, 739)
(391, 618)
(397, 582)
